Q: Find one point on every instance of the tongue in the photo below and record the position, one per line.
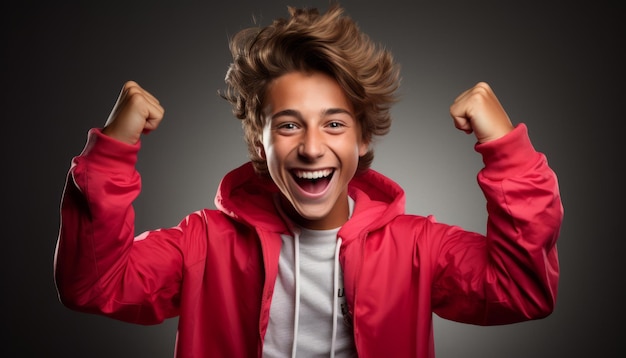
(313, 186)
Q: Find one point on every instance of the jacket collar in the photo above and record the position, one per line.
(248, 198)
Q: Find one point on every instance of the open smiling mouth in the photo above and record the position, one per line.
(313, 182)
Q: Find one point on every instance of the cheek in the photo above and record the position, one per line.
(349, 156)
(356, 148)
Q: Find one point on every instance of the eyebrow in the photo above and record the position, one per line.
(297, 114)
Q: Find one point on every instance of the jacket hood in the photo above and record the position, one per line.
(249, 198)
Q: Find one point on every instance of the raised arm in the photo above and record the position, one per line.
(511, 273)
(100, 265)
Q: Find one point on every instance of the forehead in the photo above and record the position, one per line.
(305, 91)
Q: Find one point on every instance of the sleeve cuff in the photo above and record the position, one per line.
(507, 156)
(104, 151)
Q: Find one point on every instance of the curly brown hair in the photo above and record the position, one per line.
(308, 41)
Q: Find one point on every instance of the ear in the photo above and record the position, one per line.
(363, 148)
(260, 150)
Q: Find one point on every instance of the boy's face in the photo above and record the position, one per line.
(312, 144)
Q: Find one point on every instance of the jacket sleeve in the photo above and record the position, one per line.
(510, 274)
(100, 266)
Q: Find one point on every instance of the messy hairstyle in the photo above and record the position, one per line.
(308, 41)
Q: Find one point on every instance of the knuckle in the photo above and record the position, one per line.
(481, 92)
(130, 84)
(483, 85)
(135, 97)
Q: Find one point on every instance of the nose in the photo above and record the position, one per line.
(312, 144)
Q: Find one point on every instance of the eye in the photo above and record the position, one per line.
(336, 124)
(287, 125)
(286, 128)
(336, 127)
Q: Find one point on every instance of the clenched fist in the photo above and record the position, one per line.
(478, 111)
(136, 112)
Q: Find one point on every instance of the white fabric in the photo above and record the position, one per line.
(306, 318)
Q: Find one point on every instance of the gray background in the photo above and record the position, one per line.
(558, 67)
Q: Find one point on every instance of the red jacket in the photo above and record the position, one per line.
(216, 269)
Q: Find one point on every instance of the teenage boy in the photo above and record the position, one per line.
(310, 252)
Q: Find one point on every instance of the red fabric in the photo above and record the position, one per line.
(216, 269)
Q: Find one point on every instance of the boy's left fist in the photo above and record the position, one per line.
(478, 111)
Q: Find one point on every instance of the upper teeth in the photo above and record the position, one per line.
(313, 174)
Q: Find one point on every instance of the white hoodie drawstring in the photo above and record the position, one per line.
(296, 319)
(335, 298)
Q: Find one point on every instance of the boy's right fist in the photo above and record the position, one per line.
(135, 112)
